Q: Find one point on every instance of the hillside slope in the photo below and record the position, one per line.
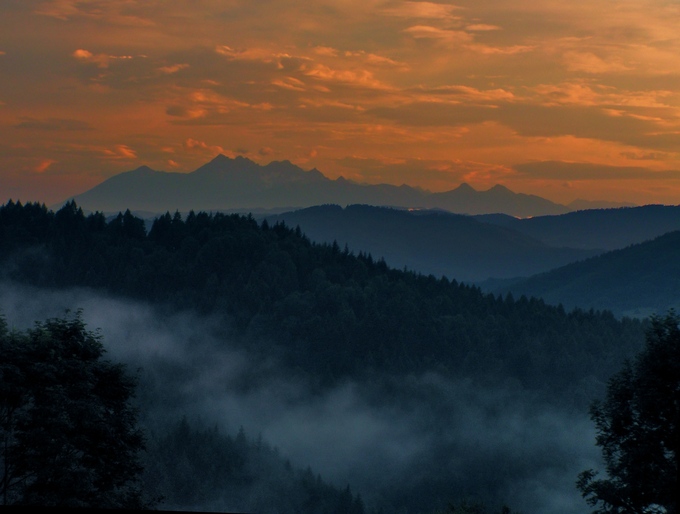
(603, 229)
(635, 281)
(431, 242)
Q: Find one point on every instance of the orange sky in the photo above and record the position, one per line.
(561, 99)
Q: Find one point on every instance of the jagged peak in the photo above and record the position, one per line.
(220, 157)
(143, 169)
(284, 164)
(500, 188)
(465, 187)
(221, 163)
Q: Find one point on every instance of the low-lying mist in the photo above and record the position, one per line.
(392, 439)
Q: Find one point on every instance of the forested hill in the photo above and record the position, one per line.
(603, 229)
(639, 280)
(437, 242)
(328, 313)
(415, 390)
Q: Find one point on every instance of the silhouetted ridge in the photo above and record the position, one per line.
(240, 184)
(328, 308)
(638, 280)
(143, 170)
(223, 164)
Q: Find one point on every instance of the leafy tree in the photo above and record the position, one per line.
(638, 430)
(68, 433)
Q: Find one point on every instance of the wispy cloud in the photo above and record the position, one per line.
(591, 63)
(51, 124)
(120, 12)
(101, 60)
(560, 170)
(173, 68)
(194, 145)
(44, 165)
(478, 82)
(423, 10)
(448, 36)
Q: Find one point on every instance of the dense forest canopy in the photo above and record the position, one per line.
(336, 314)
(466, 374)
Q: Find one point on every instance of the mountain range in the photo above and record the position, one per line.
(478, 248)
(239, 184)
(432, 242)
(595, 229)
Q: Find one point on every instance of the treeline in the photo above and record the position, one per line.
(650, 286)
(334, 314)
(69, 437)
(190, 467)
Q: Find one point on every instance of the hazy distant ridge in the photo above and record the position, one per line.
(431, 242)
(638, 280)
(230, 184)
(602, 229)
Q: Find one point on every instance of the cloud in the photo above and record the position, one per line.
(203, 103)
(454, 37)
(585, 122)
(280, 60)
(280, 75)
(440, 174)
(196, 146)
(424, 113)
(377, 60)
(101, 60)
(116, 12)
(44, 165)
(325, 51)
(423, 10)
(328, 102)
(464, 94)
(116, 152)
(505, 50)
(120, 152)
(355, 78)
(560, 170)
(290, 83)
(591, 63)
(481, 27)
(174, 68)
(53, 124)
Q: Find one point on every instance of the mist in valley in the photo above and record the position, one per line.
(393, 439)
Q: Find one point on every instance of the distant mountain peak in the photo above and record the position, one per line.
(500, 188)
(143, 169)
(226, 183)
(220, 158)
(465, 187)
(222, 163)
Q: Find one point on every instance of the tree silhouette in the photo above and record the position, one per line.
(638, 430)
(67, 430)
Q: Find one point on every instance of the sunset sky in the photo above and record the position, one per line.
(561, 99)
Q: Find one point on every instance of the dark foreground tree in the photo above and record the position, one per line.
(638, 430)
(69, 435)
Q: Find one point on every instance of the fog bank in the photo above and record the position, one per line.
(389, 437)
